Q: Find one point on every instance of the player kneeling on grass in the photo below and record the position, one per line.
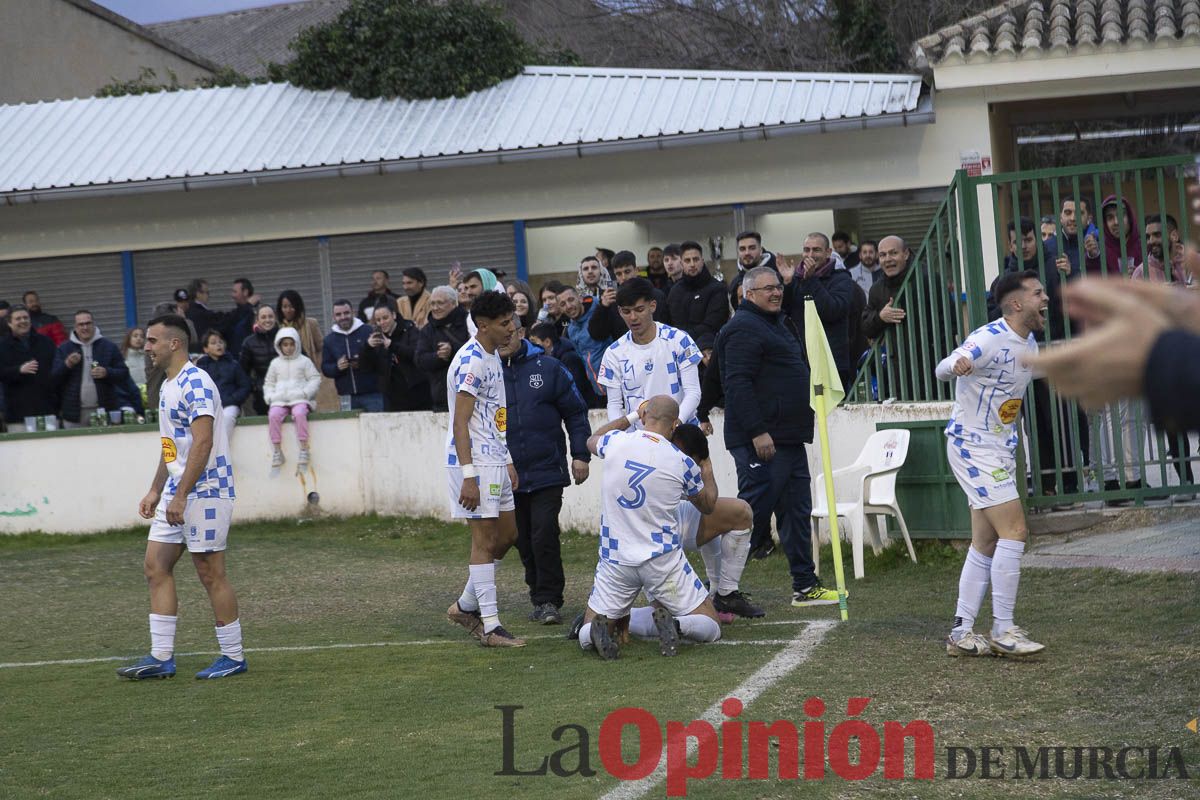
(645, 480)
(480, 473)
(191, 502)
(990, 380)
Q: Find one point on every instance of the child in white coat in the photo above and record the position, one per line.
(290, 388)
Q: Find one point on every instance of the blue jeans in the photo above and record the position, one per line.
(781, 487)
(371, 403)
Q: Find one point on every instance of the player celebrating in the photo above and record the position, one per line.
(651, 359)
(646, 479)
(480, 473)
(981, 449)
(191, 502)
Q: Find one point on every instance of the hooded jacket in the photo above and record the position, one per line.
(349, 344)
(542, 396)
(257, 351)
(451, 329)
(699, 306)
(767, 259)
(291, 379)
(591, 350)
(71, 379)
(1112, 244)
(231, 380)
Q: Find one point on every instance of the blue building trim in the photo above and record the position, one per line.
(127, 278)
(521, 249)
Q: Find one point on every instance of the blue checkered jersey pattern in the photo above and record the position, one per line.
(667, 365)
(645, 479)
(478, 373)
(987, 402)
(183, 399)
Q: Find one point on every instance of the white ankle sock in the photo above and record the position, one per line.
(641, 623)
(972, 586)
(735, 548)
(162, 636)
(1006, 575)
(710, 553)
(229, 637)
(484, 578)
(585, 636)
(699, 628)
(466, 600)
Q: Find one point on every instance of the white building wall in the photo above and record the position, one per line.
(382, 463)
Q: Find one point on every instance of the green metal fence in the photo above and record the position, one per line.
(1114, 454)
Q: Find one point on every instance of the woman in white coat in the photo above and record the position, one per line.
(290, 388)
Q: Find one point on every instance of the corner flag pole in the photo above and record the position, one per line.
(826, 383)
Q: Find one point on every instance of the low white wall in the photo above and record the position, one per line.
(383, 463)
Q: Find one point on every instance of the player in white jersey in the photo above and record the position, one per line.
(651, 359)
(191, 502)
(479, 470)
(991, 378)
(645, 479)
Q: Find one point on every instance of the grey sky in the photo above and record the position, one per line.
(147, 11)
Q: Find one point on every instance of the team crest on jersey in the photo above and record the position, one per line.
(501, 419)
(649, 366)
(469, 379)
(535, 381)
(1009, 410)
(169, 453)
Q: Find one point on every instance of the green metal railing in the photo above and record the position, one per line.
(1073, 455)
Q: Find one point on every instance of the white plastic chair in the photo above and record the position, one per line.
(865, 490)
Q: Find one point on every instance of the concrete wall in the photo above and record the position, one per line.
(384, 463)
(55, 50)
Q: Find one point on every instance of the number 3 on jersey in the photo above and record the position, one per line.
(640, 473)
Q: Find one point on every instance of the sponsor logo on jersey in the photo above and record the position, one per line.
(1000, 475)
(469, 379)
(494, 489)
(169, 453)
(1009, 410)
(501, 419)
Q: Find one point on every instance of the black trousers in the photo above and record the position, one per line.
(537, 542)
(1046, 410)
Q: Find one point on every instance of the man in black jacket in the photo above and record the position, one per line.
(88, 369)
(832, 289)
(440, 339)
(750, 254)
(606, 322)
(27, 370)
(233, 324)
(542, 397)
(767, 423)
(698, 304)
(391, 353)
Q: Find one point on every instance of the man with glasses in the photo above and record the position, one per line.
(87, 368)
(768, 421)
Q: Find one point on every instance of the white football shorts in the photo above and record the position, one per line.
(669, 578)
(988, 477)
(495, 492)
(205, 527)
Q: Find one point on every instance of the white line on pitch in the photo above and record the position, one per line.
(775, 670)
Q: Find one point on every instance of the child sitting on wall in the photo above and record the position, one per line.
(290, 388)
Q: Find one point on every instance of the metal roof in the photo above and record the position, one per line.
(194, 137)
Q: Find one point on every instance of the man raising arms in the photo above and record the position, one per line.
(191, 502)
(479, 468)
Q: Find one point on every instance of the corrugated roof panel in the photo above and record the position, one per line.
(274, 127)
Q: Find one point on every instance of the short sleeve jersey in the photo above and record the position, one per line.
(641, 371)
(645, 479)
(987, 403)
(183, 399)
(478, 373)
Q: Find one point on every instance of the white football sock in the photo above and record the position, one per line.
(641, 622)
(484, 578)
(710, 553)
(466, 600)
(162, 636)
(699, 628)
(585, 636)
(972, 586)
(1006, 575)
(735, 548)
(229, 637)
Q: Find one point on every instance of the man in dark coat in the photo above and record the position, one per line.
(392, 355)
(542, 398)
(698, 304)
(767, 423)
(27, 370)
(440, 339)
(548, 336)
(88, 369)
(341, 359)
(832, 289)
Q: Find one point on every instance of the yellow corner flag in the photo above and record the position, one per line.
(825, 393)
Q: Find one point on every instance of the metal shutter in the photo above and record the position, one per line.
(270, 266)
(68, 284)
(355, 256)
(910, 222)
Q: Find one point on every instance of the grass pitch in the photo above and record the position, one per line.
(415, 715)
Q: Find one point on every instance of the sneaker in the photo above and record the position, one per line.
(302, 459)
(148, 667)
(763, 551)
(602, 641)
(498, 637)
(223, 667)
(971, 644)
(725, 617)
(277, 458)
(468, 619)
(576, 624)
(1015, 642)
(550, 615)
(816, 595)
(668, 632)
(737, 602)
